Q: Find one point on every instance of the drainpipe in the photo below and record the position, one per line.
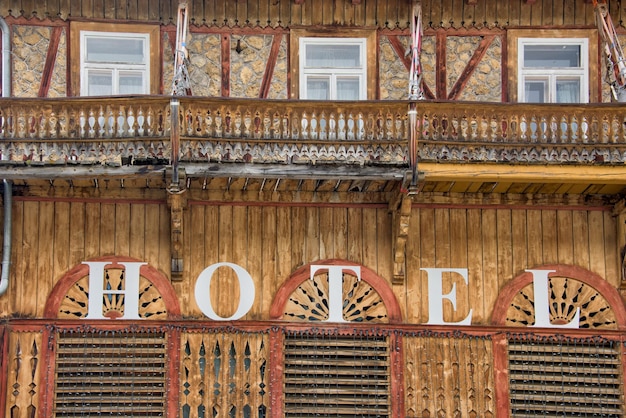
(8, 187)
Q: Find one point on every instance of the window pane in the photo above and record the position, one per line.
(568, 90)
(99, 83)
(552, 56)
(333, 56)
(131, 83)
(115, 50)
(348, 88)
(318, 88)
(535, 91)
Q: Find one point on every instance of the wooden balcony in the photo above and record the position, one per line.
(117, 137)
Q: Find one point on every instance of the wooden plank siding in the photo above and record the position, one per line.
(272, 239)
(284, 13)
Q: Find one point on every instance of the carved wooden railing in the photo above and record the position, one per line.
(117, 131)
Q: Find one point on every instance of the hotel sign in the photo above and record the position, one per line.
(202, 293)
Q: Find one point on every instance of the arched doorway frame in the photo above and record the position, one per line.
(163, 286)
(394, 314)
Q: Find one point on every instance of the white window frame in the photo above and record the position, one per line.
(333, 74)
(115, 68)
(552, 74)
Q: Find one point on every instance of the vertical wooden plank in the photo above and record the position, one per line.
(219, 289)
(16, 279)
(137, 229)
(534, 238)
(475, 269)
(92, 230)
(239, 254)
(611, 253)
(150, 235)
(369, 241)
(122, 229)
(28, 282)
(312, 232)
(62, 243)
(355, 235)
(459, 259)
(519, 235)
(77, 233)
(165, 253)
(269, 281)
(505, 250)
(428, 259)
(596, 242)
(384, 240)
(283, 244)
(298, 236)
(340, 233)
(107, 229)
(327, 233)
(549, 237)
(514, 12)
(44, 255)
(581, 238)
(490, 254)
(565, 244)
(526, 11)
(410, 300)
(454, 15)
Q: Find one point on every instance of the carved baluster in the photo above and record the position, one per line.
(323, 126)
(389, 126)
(238, 122)
(285, 123)
(218, 125)
(350, 127)
(399, 121)
(141, 122)
(360, 127)
(265, 125)
(332, 127)
(35, 128)
(275, 129)
(91, 123)
(296, 122)
(208, 123)
(444, 126)
(21, 124)
(304, 122)
(341, 127)
(313, 126)
(131, 120)
(247, 124)
(380, 126)
(615, 128)
(198, 123)
(606, 129)
(227, 124)
(122, 128)
(369, 127)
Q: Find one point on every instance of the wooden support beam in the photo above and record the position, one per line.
(400, 208)
(619, 211)
(177, 201)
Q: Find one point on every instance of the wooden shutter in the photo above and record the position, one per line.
(110, 373)
(336, 376)
(565, 378)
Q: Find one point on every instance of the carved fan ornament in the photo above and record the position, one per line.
(565, 295)
(361, 303)
(76, 302)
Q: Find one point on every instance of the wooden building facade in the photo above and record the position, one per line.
(283, 241)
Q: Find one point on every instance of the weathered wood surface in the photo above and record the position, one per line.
(377, 13)
(272, 239)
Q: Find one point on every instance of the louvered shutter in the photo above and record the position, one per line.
(336, 376)
(565, 378)
(110, 373)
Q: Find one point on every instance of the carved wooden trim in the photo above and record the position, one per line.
(160, 282)
(400, 215)
(585, 276)
(370, 277)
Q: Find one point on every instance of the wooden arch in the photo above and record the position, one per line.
(608, 292)
(370, 277)
(158, 280)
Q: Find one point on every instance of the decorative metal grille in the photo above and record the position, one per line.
(333, 375)
(566, 378)
(110, 373)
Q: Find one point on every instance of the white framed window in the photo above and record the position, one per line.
(333, 68)
(114, 63)
(552, 70)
